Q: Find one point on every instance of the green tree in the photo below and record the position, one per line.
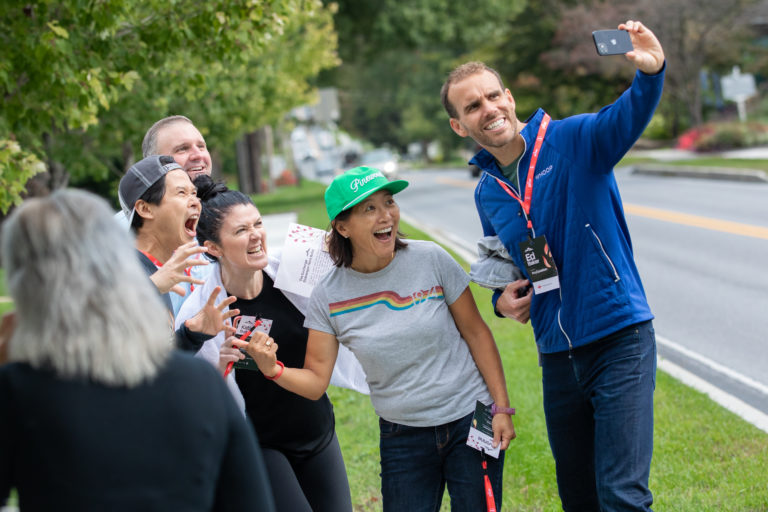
(82, 80)
(395, 56)
(551, 61)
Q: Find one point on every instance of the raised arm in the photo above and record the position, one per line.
(599, 141)
(648, 55)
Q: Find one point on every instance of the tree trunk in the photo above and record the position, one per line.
(243, 166)
(269, 146)
(216, 170)
(128, 159)
(256, 150)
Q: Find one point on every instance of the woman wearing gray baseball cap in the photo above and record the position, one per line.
(405, 310)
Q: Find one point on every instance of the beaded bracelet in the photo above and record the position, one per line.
(495, 409)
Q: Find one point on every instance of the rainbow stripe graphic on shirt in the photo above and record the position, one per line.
(389, 299)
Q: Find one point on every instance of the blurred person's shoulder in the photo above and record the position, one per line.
(185, 365)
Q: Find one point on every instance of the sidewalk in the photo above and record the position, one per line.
(669, 154)
(701, 171)
(276, 225)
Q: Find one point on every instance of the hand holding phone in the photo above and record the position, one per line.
(612, 42)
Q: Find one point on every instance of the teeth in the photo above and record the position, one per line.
(382, 231)
(495, 124)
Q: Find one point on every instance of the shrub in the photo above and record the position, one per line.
(723, 136)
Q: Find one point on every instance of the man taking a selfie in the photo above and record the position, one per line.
(548, 192)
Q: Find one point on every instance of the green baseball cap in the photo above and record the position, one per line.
(350, 188)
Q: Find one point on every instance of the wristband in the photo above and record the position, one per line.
(279, 372)
(495, 409)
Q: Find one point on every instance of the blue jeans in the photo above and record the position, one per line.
(417, 462)
(598, 403)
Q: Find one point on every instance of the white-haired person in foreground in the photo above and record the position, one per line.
(98, 411)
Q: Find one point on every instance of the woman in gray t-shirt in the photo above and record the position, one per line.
(405, 310)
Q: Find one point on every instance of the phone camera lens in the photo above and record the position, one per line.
(602, 47)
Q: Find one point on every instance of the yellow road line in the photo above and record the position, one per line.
(725, 226)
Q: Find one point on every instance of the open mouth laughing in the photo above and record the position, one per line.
(256, 251)
(190, 226)
(196, 170)
(495, 125)
(383, 234)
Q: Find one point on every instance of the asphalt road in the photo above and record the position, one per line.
(700, 246)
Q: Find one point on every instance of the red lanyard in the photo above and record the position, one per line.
(187, 271)
(490, 502)
(526, 203)
(151, 258)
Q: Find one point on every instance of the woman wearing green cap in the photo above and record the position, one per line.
(406, 312)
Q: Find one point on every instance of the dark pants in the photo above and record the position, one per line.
(417, 462)
(598, 402)
(317, 483)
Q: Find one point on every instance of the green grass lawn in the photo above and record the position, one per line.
(4, 305)
(705, 458)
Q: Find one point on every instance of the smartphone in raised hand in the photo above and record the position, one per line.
(612, 42)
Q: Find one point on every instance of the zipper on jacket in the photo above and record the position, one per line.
(517, 176)
(616, 277)
(567, 338)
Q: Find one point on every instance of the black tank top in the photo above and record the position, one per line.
(283, 420)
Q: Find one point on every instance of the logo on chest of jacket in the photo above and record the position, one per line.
(543, 172)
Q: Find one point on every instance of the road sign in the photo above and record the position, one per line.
(739, 87)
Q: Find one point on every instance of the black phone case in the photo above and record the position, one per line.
(612, 42)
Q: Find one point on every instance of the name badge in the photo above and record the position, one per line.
(540, 264)
(246, 324)
(480, 435)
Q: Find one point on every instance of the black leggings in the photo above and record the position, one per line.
(315, 484)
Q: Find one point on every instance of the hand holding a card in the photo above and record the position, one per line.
(647, 55)
(263, 349)
(503, 430)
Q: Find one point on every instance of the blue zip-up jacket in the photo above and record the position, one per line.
(576, 205)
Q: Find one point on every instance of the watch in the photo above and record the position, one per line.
(495, 409)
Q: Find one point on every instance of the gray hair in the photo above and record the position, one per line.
(85, 307)
(149, 144)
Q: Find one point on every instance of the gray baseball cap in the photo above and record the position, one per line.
(142, 175)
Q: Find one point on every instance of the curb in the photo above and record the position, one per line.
(459, 247)
(691, 171)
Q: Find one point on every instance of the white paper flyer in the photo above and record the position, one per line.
(481, 432)
(305, 260)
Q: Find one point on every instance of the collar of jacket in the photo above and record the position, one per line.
(487, 162)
